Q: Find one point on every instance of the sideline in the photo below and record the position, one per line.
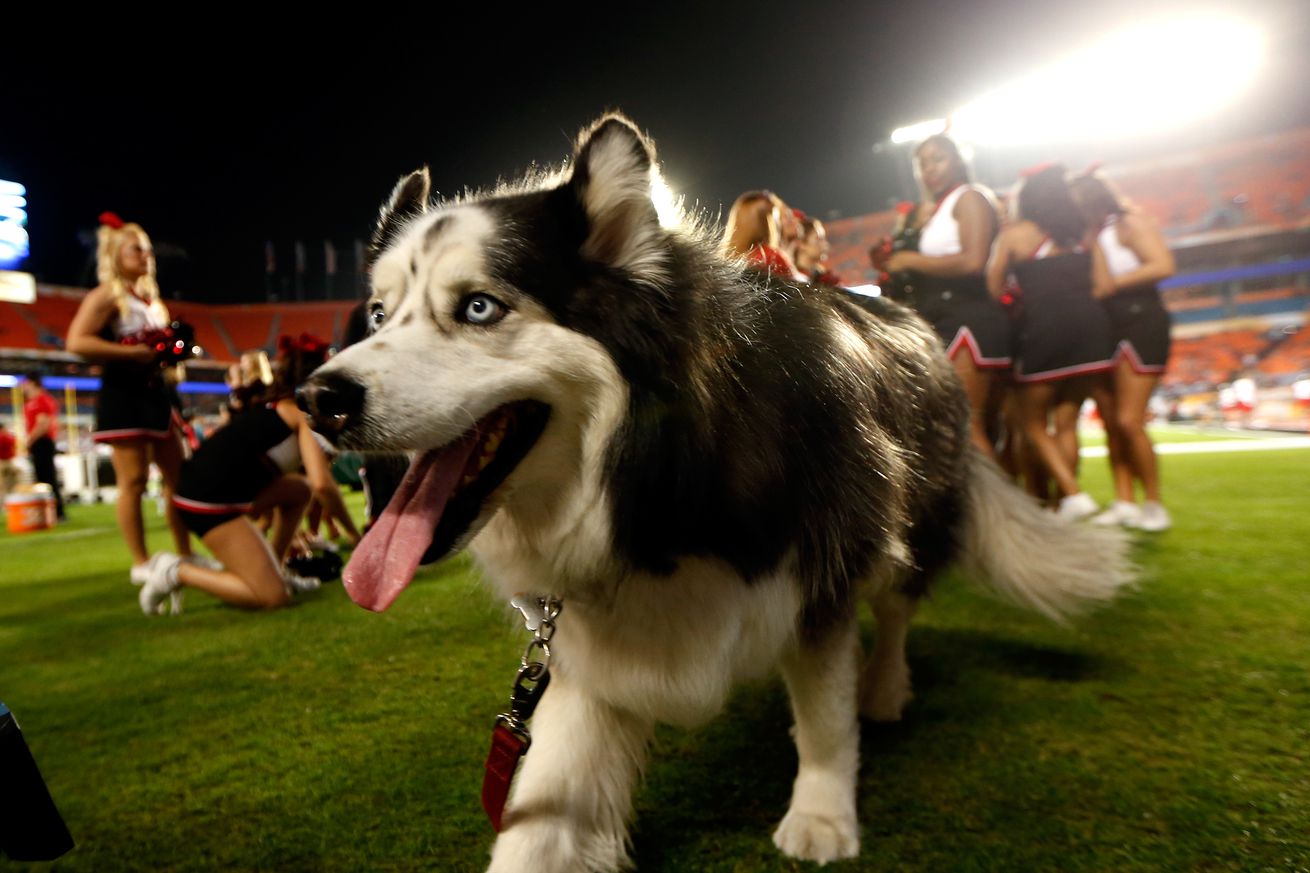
(1238, 445)
(53, 537)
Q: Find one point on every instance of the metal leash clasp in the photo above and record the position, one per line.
(539, 614)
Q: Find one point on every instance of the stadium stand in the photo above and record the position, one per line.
(223, 331)
(209, 336)
(1241, 189)
(1256, 182)
(849, 240)
(1290, 357)
(249, 327)
(18, 328)
(1214, 358)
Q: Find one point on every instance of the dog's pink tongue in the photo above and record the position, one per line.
(386, 558)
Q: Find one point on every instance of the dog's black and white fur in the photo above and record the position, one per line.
(730, 462)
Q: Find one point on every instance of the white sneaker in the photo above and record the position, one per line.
(140, 573)
(1076, 507)
(1154, 517)
(161, 582)
(204, 561)
(1120, 512)
(298, 584)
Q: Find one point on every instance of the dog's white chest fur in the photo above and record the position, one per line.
(670, 648)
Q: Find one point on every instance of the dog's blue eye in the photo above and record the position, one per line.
(482, 309)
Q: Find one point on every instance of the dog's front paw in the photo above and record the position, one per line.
(553, 844)
(542, 844)
(820, 838)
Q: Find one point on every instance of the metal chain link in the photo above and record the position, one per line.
(534, 665)
(542, 635)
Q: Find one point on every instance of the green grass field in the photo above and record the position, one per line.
(1169, 732)
(1173, 433)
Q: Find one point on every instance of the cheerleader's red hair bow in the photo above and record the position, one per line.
(110, 219)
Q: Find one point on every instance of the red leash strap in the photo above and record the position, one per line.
(503, 759)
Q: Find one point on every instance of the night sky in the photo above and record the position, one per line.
(217, 135)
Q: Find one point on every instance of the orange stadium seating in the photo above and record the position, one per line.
(1174, 196)
(16, 330)
(223, 331)
(207, 335)
(1292, 356)
(54, 313)
(1214, 358)
(849, 240)
(249, 327)
(327, 320)
(1262, 181)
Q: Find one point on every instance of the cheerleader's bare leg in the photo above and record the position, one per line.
(1133, 393)
(1036, 400)
(130, 459)
(287, 498)
(978, 386)
(168, 457)
(251, 577)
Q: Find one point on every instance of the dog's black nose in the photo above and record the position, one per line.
(331, 401)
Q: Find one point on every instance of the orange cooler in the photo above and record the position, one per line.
(29, 512)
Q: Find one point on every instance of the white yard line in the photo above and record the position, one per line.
(1239, 445)
(42, 537)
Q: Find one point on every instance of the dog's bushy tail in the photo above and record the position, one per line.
(1029, 556)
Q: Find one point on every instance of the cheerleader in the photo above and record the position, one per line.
(134, 413)
(812, 252)
(754, 231)
(249, 468)
(955, 224)
(1137, 258)
(1063, 343)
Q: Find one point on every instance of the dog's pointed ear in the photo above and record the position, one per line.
(408, 199)
(612, 167)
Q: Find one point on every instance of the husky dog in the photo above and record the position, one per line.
(709, 466)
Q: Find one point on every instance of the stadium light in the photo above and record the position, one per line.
(1138, 82)
(920, 131)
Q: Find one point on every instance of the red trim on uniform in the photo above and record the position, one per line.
(1067, 372)
(201, 508)
(132, 433)
(1125, 349)
(964, 337)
